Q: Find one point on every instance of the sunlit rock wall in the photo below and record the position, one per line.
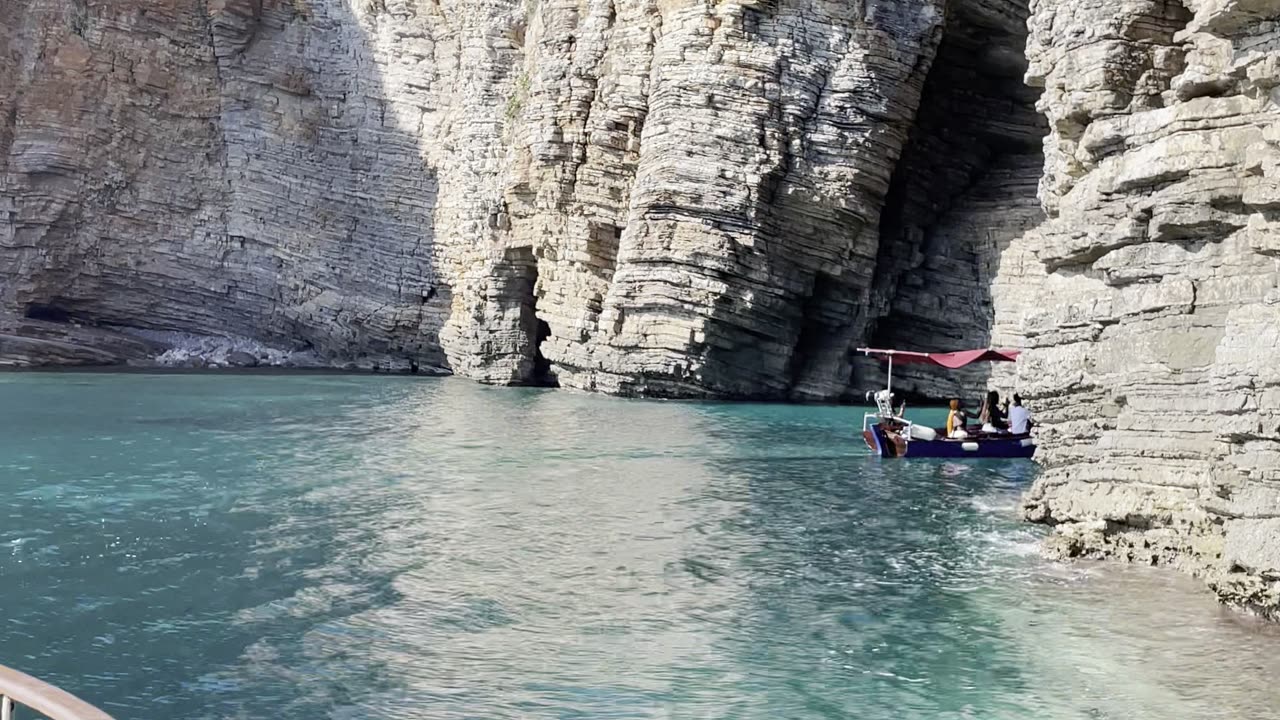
(677, 198)
(699, 185)
(1153, 339)
(674, 198)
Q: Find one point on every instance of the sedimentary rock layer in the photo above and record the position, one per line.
(733, 255)
(231, 167)
(963, 192)
(676, 198)
(1154, 340)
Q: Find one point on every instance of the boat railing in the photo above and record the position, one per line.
(20, 689)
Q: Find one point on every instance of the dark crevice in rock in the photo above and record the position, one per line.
(818, 327)
(602, 247)
(965, 185)
(47, 313)
(1157, 58)
(810, 337)
(543, 375)
(538, 370)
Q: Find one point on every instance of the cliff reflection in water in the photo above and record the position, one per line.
(198, 546)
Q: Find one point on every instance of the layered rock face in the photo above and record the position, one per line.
(720, 187)
(736, 211)
(1153, 346)
(670, 198)
(963, 193)
(231, 167)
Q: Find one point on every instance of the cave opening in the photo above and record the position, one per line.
(46, 313)
(814, 330)
(516, 294)
(543, 372)
(963, 189)
(830, 318)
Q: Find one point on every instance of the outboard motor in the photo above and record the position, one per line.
(884, 403)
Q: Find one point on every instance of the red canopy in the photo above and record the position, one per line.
(950, 360)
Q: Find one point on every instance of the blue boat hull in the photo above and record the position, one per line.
(998, 446)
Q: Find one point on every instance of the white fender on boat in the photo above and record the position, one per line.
(1027, 442)
(920, 432)
(969, 447)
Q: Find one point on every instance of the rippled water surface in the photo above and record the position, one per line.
(255, 546)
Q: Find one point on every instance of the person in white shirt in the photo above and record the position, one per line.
(1019, 417)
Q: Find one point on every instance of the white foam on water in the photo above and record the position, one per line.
(996, 504)
(1014, 544)
(1007, 542)
(185, 348)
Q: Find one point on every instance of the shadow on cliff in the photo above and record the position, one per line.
(356, 274)
(784, 329)
(922, 280)
(963, 190)
(255, 179)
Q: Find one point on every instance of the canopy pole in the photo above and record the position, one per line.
(890, 384)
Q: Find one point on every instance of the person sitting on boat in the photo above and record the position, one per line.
(956, 420)
(1019, 417)
(991, 417)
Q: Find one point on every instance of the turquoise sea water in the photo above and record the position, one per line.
(310, 546)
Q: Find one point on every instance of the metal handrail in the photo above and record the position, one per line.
(53, 703)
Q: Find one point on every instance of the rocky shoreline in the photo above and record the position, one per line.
(30, 344)
(1150, 356)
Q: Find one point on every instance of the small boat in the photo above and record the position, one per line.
(888, 434)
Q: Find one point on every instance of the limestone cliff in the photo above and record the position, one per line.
(673, 198)
(1153, 346)
(226, 167)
